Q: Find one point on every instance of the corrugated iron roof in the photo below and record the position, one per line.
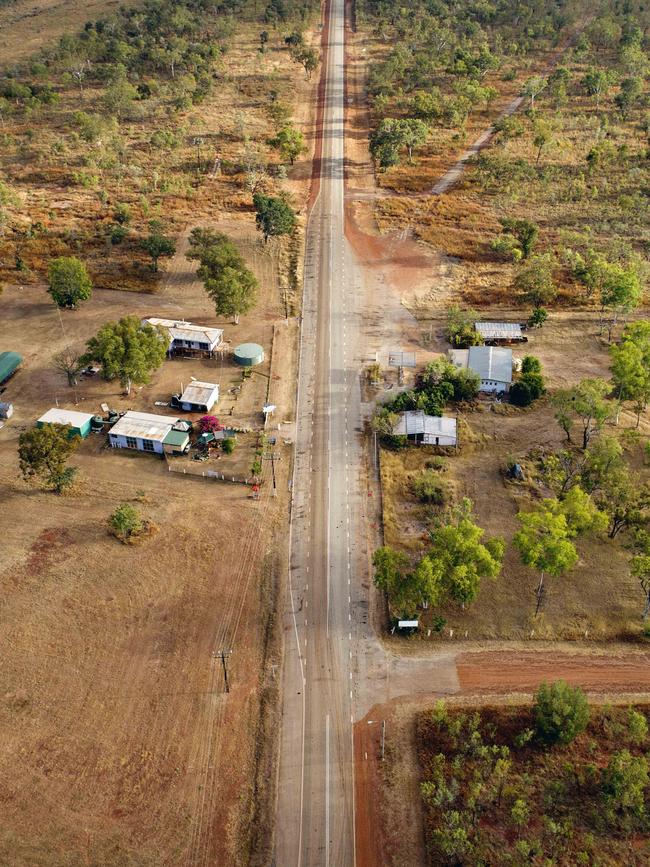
(415, 422)
(499, 330)
(199, 392)
(491, 362)
(143, 425)
(178, 329)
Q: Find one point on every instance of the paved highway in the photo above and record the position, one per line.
(315, 812)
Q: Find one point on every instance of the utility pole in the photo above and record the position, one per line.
(383, 738)
(223, 655)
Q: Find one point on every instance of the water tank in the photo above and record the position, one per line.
(249, 354)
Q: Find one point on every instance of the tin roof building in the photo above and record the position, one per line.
(145, 432)
(500, 332)
(185, 337)
(79, 422)
(492, 363)
(425, 429)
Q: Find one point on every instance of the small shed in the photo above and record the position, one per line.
(249, 354)
(494, 333)
(492, 363)
(425, 429)
(79, 422)
(9, 364)
(176, 442)
(198, 397)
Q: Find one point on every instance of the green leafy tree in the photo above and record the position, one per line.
(561, 712)
(127, 350)
(629, 94)
(625, 781)
(126, 522)
(620, 292)
(290, 142)
(458, 557)
(533, 88)
(534, 281)
(460, 327)
(544, 544)
(394, 135)
(631, 366)
(405, 588)
(69, 281)
(597, 82)
(44, 451)
(584, 403)
(274, 216)
(524, 231)
(157, 245)
(542, 136)
(229, 283)
(119, 97)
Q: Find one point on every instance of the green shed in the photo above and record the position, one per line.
(79, 422)
(9, 364)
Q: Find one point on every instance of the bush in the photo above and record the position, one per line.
(538, 317)
(228, 445)
(118, 233)
(561, 712)
(520, 394)
(127, 524)
(429, 488)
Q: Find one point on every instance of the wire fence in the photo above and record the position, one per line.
(216, 475)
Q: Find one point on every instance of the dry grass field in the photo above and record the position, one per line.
(121, 747)
(596, 600)
(120, 744)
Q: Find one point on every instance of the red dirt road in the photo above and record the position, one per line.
(481, 677)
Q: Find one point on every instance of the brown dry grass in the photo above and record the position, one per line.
(119, 744)
(598, 599)
(27, 26)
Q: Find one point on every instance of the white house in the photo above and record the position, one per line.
(492, 363)
(150, 433)
(427, 429)
(185, 338)
(198, 397)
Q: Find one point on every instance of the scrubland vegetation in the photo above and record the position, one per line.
(114, 136)
(573, 164)
(557, 783)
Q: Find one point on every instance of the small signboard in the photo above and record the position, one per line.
(408, 624)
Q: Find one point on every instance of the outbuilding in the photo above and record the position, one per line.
(492, 363)
(145, 432)
(423, 429)
(9, 364)
(186, 338)
(79, 422)
(249, 354)
(197, 397)
(500, 333)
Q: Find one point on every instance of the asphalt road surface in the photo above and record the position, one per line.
(315, 813)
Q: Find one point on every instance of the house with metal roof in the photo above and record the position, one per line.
(145, 432)
(9, 364)
(494, 333)
(197, 397)
(423, 429)
(186, 338)
(79, 422)
(492, 363)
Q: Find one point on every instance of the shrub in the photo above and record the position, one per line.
(561, 712)
(637, 726)
(228, 445)
(520, 394)
(538, 317)
(429, 488)
(118, 233)
(126, 522)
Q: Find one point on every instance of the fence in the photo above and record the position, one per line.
(210, 474)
